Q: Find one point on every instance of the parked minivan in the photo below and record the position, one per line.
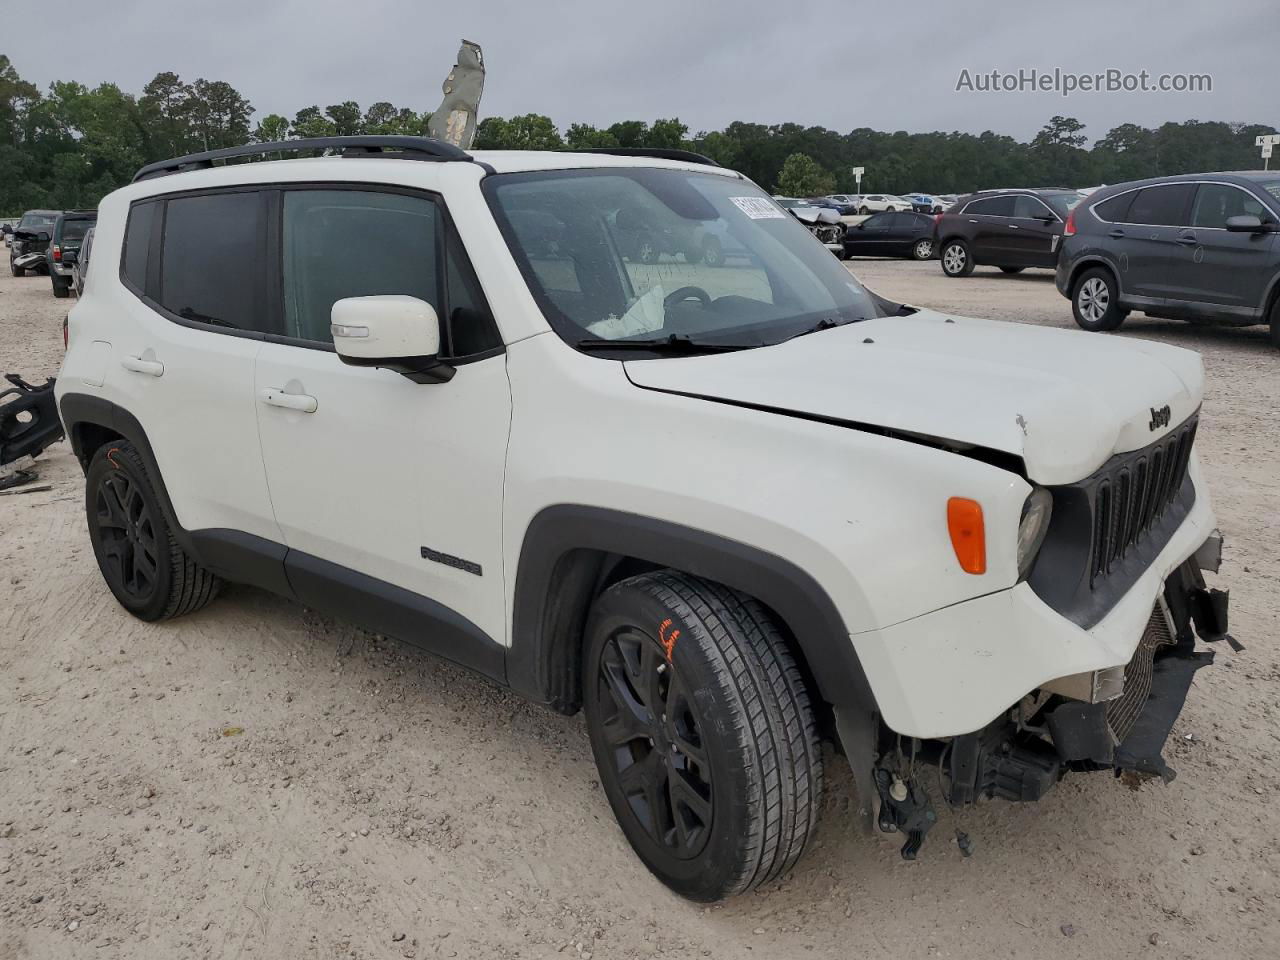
(1200, 247)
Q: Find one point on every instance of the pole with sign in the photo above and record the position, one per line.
(1267, 141)
(857, 177)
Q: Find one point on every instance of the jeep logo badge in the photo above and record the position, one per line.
(1159, 418)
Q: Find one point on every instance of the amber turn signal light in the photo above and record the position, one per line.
(968, 534)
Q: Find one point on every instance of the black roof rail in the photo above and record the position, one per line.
(659, 153)
(403, 148)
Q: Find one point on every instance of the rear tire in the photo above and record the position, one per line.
(16, 271)
(703, 733)
(61, 290)
(1095, 301)
(145, 568)
(1275, 324)
(922, 249)
(956, 259)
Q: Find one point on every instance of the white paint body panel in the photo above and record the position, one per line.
(384, 465)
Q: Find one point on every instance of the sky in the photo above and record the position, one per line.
(841, 64)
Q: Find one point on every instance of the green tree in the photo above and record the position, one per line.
(667, 134)
(583, 136)
(271, 128)
(532, 131)
(347, 118)
(802, 177)
(310, 122)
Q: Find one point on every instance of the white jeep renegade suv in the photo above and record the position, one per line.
(727, 508)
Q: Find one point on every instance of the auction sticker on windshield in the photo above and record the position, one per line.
(759, 208)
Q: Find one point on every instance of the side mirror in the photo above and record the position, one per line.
(394, 332)
(1247, 223)
(42, 237)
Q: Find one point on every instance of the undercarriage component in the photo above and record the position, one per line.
(1000, 762)
(28, 419)
(904, 808)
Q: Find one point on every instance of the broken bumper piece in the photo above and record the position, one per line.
(1025, 752)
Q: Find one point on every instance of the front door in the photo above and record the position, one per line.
(1218, 267)
(372, 475)
(1035, 232)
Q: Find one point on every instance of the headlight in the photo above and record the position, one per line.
(1031, 531)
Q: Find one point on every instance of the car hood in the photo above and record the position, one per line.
(1061, 400)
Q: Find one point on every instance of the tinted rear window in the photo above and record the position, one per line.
(137, 242)
(75, 229)
(1165, 206)
(992, 207)
(1116, 209)
(212, 259)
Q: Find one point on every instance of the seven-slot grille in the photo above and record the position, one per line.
(1135, 495)
(1123, 711)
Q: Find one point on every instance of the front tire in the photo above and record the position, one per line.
(1275, 324)
(922, 249)
(1095, 302)
(16, 271)
(144, 566)
(956, 259)
(864, 211)
(703, 733)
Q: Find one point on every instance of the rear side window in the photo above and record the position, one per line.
(992, 207)
(212, 260)
(137, 243)
(1215, 202)
(1116, 209)
(1163, 206)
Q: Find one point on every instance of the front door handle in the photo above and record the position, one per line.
(1188, 240)
(152, 368)
(276, 397)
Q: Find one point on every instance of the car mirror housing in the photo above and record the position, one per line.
(395, 332)
(42, 237)
(1247, 223)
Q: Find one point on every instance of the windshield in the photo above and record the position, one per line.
(75, 229)
(37, 221)
(646, 254)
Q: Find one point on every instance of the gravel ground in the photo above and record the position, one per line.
(255, 780)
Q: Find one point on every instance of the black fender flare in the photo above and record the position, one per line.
(562, 561)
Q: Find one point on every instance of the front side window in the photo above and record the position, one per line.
(1215, 202)
(212, 262)
(352, 243)
(1029, 208)
(643, 253)
(1164, 206)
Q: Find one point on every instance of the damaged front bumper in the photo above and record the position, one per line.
(1116, 719)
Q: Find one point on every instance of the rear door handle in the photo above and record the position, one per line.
(1188, 240)
(1116, 233)
(152, 368)
(276, 397)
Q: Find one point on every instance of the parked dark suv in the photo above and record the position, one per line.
(1009, 229)
(1198, 247)
(64, 247)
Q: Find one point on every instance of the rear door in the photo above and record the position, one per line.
(1150, 242)
(870, 238)
(988, 220)
(903, 231)
(1225, 270)
(196, 273)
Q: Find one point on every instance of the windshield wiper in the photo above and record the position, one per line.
(675, 343)
(826, 323)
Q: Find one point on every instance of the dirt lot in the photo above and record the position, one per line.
(380, 804)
